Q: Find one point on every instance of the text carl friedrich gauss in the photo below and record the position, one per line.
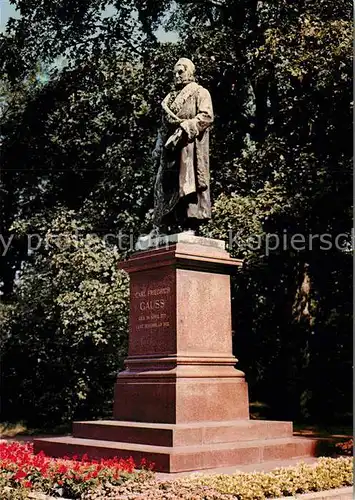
(152, 304)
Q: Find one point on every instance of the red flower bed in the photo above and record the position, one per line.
(19, 466)
(346, 448)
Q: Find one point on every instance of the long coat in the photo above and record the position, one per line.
(183, 178)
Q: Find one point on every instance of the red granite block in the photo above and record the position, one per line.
(183, 458)
(180, 402)
(181, 434)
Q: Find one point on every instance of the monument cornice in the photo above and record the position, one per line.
(183, 256)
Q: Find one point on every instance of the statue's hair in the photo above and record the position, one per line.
(189, 65)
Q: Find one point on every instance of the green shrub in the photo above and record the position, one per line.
(67, 329)
(326, 474)
(156, 490)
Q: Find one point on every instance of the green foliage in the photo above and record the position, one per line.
(326, 474)
(77, 142)
(78, 127)
(74, 145)
(8, 493)
(289, 172)
(68, 326)
(240, 219)
(53, 33)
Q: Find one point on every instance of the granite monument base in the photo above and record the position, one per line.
(180, 402)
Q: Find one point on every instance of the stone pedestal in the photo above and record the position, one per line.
(180, 365)
(180, 402)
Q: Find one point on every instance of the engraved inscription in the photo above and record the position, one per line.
(151, 308)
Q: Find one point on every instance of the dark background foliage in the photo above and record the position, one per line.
(81, 90)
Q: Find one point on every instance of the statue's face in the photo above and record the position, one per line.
(181, 74)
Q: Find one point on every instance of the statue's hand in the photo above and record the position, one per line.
(174, 139)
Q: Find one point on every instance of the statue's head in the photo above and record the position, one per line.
(184, 72)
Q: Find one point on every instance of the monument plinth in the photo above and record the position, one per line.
(180, 402)
(180, 364)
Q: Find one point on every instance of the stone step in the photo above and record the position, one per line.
(182, 458)
(181, 434)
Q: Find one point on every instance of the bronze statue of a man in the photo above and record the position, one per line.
(182, 186)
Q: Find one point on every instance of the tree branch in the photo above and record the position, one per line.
(214, 3)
